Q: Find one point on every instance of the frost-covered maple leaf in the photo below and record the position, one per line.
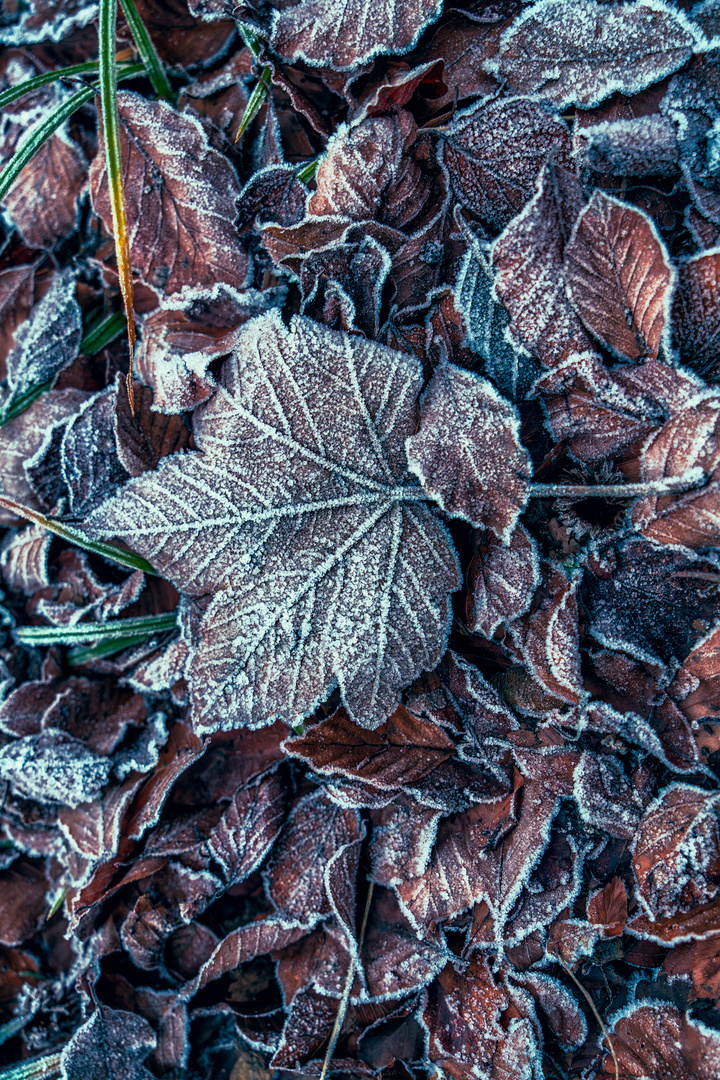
(300, 526)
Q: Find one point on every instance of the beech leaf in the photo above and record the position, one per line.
(467, 452)
(578, 52)
(299, 515)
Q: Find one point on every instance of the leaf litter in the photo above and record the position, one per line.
(424, 776)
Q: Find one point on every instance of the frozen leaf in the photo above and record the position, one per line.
(548, 636)
(45, 20)
(639, 146)
(530, 279)
(510, 368)
(323, 34)
(54, 767)
(180, 38)
(320, 960)
(700, 960)
(608, 908)
(111, 1045)
(90, 465)
(180, 196)
(45, 343)
(16, 300)
(501, 581)
(619, 277)
(300, 515)
(22, 901)
(402, 841)
(696, 310)
(143, 438)
(700, 923)
(272, 194)
(649, 604)
(343, 286)
(659, 1041)
(578, 52)
(316, 830)
(494, 152)
(24, 560)
(186, 333)
(467, 452)
(245, 944)
(605, 797)
(307, 1028)
(43, 203)
(395, 962)
(557, 1005)
(676, 852)
(687, 445)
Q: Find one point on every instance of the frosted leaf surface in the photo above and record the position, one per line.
(47, 20)
(43, 201)
(619, 277)
(528, 262)
(578, 52)
(111, 1045)
(548, 637)
(696, 310)
(494, 151)
(659, 1041)
(180, 196)
(55, 767)
(47, 342)
(343, 36)
(467, 452)
(501, 581)
(639, 146)
(510, 368)
(299, 515)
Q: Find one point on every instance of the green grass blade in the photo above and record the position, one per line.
(87, 654)
(307, 172)
(46, 127)
(249, 39)
(97, 547)
(113, 162)
(75, 71)
(24, 401)
(103, 333)
(256, 99)
(83, 633)
(39, 1069)
(148, 52)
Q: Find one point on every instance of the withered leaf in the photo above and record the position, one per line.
(467, 452)
(696, 310)
(676, 851)
(638, 146)
(47, 342)
(494, 151)
(548, 636)
(307, 1028)
(577, 52)
(144, 437)
(180, 196)
(54, 766)
(89, 459)
(16, 300)
(45, 20)
(245, 944)
(22, 888)
(608, 908)
(300, 516)
(619, 277)
(344, 36)
(43, 201)
(658, 1040)
(111, 1045)
(528, 262)
(501, 581)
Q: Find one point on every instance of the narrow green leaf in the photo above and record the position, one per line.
(148, 52)
(39, 1069)
(75, 71)
(256, 99)
(113, 160)
(102, 333)
(307, 172)
(82, 633)
(24, 401)
(46, 127)
(86, 654)
(97, 547)
(249, 39)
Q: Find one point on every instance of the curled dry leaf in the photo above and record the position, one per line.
(501, 581)
(676, 852)
(494, 151)
(467, 452)
(619, 277)
(658, 1040)
(608, 908)
(324, 33)
(308, 476)
(180, 196)
(548, 636)
(578, 52)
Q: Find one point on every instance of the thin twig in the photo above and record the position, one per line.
(556, 955)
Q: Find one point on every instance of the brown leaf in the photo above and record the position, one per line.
(16, 300)
(321, 960)
(581, 51)
(324, 34)
(181, 39)
(401, 841)
(659, 1041)
(308, 1026)
(144, 437)
(494, 152)
(605, 796)
(43, 201)
(501, 581)
(548, 636)
(467, 452)
(619, 277)
(676, 851)
(395, 960)
(685, 446)
(111, 1045)
(530, 277)
(315, 831)
(608, 908)
(700, 960)
(245, 944)
(22, 888)
(180, 196)
(702, 921)
(696, 309)
(24, 560)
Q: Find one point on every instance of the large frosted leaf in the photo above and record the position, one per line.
(300, 517)
(344, 35)
(581, 51)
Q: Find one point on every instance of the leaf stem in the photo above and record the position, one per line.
(113, 161)
(664, 486)
(97, 547)
(148, 52)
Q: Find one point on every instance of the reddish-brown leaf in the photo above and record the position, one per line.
(548, 636)
(43, 201)
(180, 196)
(501, 581)
(608, 908)
(619, 277)
(659, 1041)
